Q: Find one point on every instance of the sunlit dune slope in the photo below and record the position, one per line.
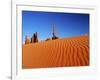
(66, 52)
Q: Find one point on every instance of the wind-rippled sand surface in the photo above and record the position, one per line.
(66, 52)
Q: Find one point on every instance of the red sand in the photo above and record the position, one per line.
(64, 52)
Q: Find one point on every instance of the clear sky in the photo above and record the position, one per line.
(66, 24)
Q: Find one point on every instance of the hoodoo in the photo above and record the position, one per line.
(27, 40)
(54, 33)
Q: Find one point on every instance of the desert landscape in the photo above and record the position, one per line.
(55, 39)
(62, 52)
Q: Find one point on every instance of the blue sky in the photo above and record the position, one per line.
(66, 24)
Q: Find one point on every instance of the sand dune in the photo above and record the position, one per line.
(64, 52)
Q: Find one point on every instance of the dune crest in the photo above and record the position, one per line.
(64, 52)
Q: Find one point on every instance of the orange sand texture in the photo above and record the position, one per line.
(66, 52)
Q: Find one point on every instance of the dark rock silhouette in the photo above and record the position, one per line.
(54, 33)
(47, 39)
(34, 38)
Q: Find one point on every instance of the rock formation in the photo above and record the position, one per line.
(27, 40)
(54, 34)
(34, 38)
